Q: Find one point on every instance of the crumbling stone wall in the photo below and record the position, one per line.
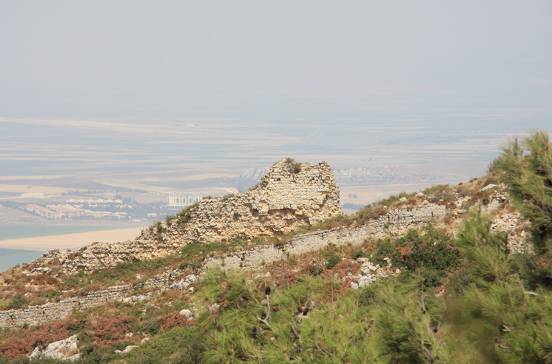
(394, 223)
(41, 314)
(289, 196)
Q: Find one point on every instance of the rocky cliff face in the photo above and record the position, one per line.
(290, 196)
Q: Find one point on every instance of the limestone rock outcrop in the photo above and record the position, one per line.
(64, 350)
(291, 195)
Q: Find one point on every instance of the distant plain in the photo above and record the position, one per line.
(145, 160)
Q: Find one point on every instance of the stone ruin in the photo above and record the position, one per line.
(392, 224)
(291, 195)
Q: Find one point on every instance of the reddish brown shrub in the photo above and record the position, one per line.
(20, 342)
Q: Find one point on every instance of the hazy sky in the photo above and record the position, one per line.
(272, 59)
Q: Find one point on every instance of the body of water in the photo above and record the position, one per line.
(17, 231)
(11, 257)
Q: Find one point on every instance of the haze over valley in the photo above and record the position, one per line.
(61, 176)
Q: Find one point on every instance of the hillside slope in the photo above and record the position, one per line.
(458, 274)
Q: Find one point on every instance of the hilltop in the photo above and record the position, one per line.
(455, 273)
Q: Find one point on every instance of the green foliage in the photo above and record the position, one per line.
(19, 301)
(385, 249)
(483, 249)
(247, 329)
(228, 289)
(502, 322)
(35, 361)
(179, 345)
(332, 261)
(358, 254)
(461, 299)
(122, 271)
(431, 249)
(429, 253)
(407, 328)
(493, 317)
(53, 294)
(315, 269)
(152, 326)
(4, 304)
(184, 215)
(440, 194)
(526, 167)
(93, 355)
(195, 253)
(367, 296)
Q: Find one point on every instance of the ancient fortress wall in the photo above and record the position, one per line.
(310, 195)
(38, 315)
(290, 196)
(394, 223)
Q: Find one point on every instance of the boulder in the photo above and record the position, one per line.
(66, 349)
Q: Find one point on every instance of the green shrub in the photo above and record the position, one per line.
(228, 289)
(53, 294)
(195, 253)
(440, 194)
(19, 301)
(429, 253)
(332, 261)
(367, 296)
(179, 345)
(430, 249)
(315, 269)
(491, 314)
(152, 326)
(459, 281)
(406, 330)
(385, 249)
(184, 215)
(5, 304)
(484, 251)
(526, 167)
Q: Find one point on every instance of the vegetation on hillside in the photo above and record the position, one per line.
(526, 167)
(459, 298)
